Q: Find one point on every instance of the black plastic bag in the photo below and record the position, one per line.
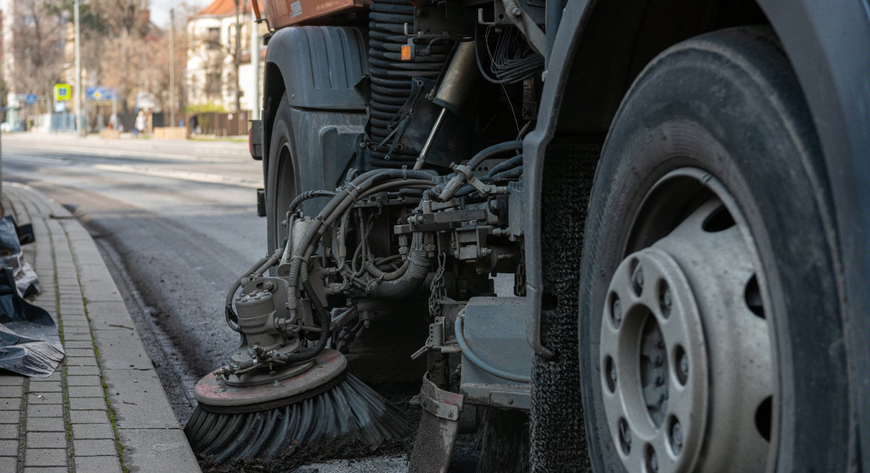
(11, 238)
(29, 341)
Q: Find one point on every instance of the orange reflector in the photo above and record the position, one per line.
(407, 52)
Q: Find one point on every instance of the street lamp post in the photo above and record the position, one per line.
(255, 66)
(78, 52)
(172, 67)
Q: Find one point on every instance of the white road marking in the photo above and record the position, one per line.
(36, 159)
(182, 175)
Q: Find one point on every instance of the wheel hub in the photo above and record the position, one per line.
(685, 356)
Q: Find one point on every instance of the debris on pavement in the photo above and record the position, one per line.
(11, 238)
(29, 340)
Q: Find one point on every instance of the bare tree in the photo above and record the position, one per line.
(39, 47)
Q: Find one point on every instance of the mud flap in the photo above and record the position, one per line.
(439, 426)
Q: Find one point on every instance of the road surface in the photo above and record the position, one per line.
(177, 223)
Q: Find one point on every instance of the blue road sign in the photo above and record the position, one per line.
(99, 93)
(30, 99)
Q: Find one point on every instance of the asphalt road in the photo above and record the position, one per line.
(177, 223)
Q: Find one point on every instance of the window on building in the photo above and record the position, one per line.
(213, 38)
(213, 84)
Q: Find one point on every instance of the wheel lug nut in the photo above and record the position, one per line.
(658, 360)
(666, 301)
(654, 462)
(677, 437)
(684, 365)
(637, 280)
(617, 312)
(625, 436)
(660, 380)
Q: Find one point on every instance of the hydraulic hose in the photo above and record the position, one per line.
(504, 166)
(419, 264)
(338, 205)
(325, 323)
(509, 174)
(494, 150)
(387, 276)
(308, 195)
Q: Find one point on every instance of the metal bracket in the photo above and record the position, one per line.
(534, 329)
(435, 339)
(522, 20)
(439, 426)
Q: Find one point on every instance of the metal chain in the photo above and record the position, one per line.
(437, 287)
(520, 275)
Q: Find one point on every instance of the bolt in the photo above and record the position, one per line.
(666, 298)
(515, 11)
(638, 278)
(654, 462)
(658, 360)
(613, 374)
(617, 311)
(677, 437)
(684, 365)
(660, 380)
(625, 432)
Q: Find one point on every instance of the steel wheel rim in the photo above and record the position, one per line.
(687, 362)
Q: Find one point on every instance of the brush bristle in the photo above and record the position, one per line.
(350, 410)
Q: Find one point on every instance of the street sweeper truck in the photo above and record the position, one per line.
(617, 236)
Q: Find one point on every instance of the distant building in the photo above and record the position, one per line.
(211, 37)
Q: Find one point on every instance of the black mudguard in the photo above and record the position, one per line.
(317, 68)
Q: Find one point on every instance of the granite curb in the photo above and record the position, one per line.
(104, 410)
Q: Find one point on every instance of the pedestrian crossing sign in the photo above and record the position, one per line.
(62, 92)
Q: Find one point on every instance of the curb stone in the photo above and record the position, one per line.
(104, 410)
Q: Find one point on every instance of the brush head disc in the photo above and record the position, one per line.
(218, 395)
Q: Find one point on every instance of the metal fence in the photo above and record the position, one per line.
(63, 122)
(218, 124)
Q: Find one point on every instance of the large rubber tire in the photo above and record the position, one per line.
(281, 176)
(728, 104)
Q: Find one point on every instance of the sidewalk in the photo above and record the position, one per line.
(104, 410)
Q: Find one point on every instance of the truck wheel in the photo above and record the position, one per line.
(709, 322)
(280, 177)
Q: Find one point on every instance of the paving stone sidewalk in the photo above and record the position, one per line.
(104, 410)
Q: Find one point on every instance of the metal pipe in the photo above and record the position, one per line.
(78, 60)
(172, 67)
(255, 65)
(422, 158)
